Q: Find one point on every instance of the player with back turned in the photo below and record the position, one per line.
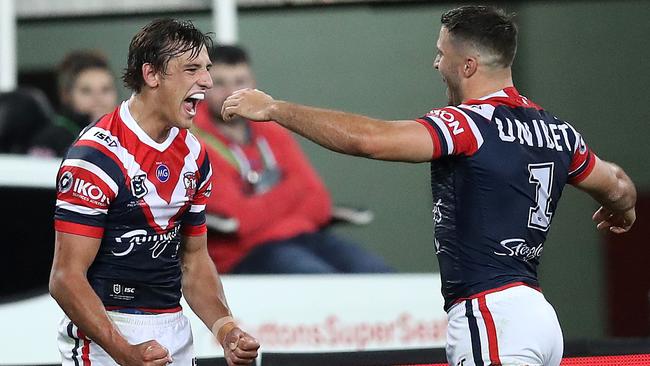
(499, 163)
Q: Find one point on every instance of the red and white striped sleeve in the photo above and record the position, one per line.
(452, 131)
(84, 193)
(582, 161)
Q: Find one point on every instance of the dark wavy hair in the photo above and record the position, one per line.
(484, 26)
(228, 54)
(157, 43)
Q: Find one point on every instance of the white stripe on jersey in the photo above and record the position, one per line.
(446, 134)
(473, 126)
(197, 208)
(80, 209)
(485, 110)
(500, 93)
(576, 134)
(132, 125)
(95, 170)
(161, 210)
(195, 149)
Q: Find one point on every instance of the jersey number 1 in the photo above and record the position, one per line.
(539, 216)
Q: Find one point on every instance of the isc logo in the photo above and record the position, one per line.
(162, 173)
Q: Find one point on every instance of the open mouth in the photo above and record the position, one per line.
(189, 104)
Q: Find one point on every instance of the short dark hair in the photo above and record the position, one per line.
(157, 43)
(228, 54)
(76, 62)
(485, 26)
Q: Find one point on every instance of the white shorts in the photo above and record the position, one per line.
(170, 330)
(513, 326)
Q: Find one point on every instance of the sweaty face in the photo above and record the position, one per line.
(449, 63)
(227, 79)
(183, 86)
(93, 93)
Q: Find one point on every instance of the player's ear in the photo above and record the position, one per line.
(470, 67)
(150, 75)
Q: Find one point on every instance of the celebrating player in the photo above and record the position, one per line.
(130, 221)
(499, 163)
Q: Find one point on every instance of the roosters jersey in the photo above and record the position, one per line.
(497, 173)
(139, 197)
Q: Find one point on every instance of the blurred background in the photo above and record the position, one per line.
(586, 61)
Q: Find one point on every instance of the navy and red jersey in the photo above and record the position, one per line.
(139, 197)
(497, 173)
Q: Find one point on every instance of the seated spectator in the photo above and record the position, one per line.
(23, 113)
(262, 179)
(86, 91)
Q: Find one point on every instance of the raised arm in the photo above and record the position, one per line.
(204, 293)
(69, 286)
(613, 189)
(346, 133)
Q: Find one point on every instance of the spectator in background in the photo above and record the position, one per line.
(23, 113)
(86, 91)
(266, 183)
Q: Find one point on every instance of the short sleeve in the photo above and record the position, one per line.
(201, 183)
(84, 194)
(452, 131)
(582, 159)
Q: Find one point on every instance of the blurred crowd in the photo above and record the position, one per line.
(280, 210)
(86, 91)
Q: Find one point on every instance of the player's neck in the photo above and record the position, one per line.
(147, 118)
(487, 84)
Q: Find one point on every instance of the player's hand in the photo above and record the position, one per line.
(239, 347)
(251, 104)
(149, 353)
(615, 222)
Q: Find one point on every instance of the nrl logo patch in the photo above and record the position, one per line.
(138, 188)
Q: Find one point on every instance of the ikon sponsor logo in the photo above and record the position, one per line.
(86, 191)
(519, 248)
(448, 118)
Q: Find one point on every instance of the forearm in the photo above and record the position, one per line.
(203, 291)
(623, 195)
(84, 308)
(338, 131)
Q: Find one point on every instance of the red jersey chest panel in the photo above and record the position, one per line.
(138, 196)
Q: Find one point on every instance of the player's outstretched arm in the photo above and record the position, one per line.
(69, 286)
(203, 291)
(614, 190)
(346, 133)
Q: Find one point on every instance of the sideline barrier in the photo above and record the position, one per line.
(297, 313)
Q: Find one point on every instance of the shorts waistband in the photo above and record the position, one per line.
(454, 308)
(148, 319)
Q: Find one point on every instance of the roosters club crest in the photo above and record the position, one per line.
(189, 180)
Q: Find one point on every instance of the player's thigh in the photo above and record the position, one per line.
(172, 331)
(514, 327)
